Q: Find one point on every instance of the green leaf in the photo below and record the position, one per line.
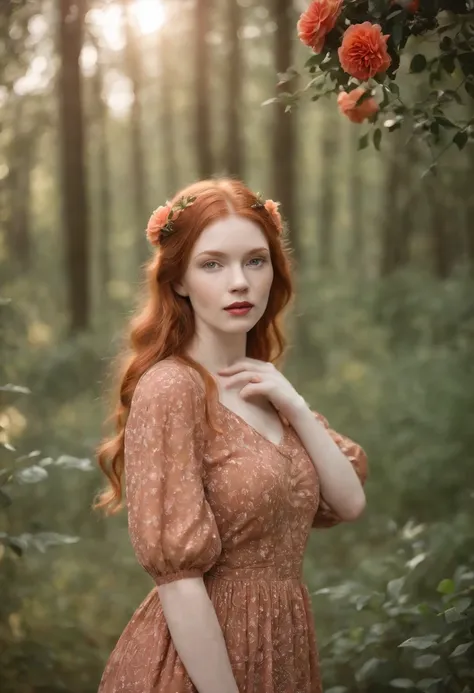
(9, 387)
(315, 60)
(274, 99)
(363, 141)
(418, 63)
(469, 87)
(445, 122)
(426, 685)
(394, 88)
(31, 475)
(426, 661)
(5, 499)
(446, 43)
(453, 615)
(448, 63)
(368, 669)
(463, 604)
(402, 683)
(424, 642)
(460, 139)
(394, 587)
(461, 649)
(454, 95)
(397, 33)
(446, 586)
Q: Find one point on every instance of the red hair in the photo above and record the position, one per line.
(164, 325)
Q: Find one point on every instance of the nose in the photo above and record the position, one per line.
(239, 282)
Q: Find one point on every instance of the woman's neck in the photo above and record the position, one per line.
(218, 352)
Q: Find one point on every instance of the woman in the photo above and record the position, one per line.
(226, 467)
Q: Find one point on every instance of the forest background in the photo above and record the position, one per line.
(108, 107)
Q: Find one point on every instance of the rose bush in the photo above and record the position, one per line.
(357, 47)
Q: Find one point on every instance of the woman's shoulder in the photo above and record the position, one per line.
(167, 376)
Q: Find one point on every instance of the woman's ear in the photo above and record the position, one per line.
(180, 290)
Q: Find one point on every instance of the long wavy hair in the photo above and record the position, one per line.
(164, 323)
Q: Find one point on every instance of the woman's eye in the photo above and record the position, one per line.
(259, 260)
(210, 262)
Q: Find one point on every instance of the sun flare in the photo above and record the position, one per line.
(148, 15)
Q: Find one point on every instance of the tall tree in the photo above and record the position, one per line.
(327, 200)
(357, 260)
(103, 166)
(284, 130)
(167, 115)
(398, 226)
(20, 159)
(73, 174)
(202, 96)
(134, 72)
(234, 154)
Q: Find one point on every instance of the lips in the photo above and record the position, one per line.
(243, 304)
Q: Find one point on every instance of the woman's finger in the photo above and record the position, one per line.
(252, 390)
(243, 377)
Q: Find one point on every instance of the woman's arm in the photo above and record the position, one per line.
(341, 485)
(197, 635)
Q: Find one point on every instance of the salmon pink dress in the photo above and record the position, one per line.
(234, 509)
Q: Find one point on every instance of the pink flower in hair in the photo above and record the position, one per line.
(161, 223)
(157, 221)
(272, 208)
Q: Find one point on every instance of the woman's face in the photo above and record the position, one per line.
(230, 263)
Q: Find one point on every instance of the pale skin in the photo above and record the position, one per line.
(231, 262)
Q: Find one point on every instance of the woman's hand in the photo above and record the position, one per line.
(262, 378)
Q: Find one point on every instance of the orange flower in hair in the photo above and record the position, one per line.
(272, 209)
(161, 222)
(156, 222)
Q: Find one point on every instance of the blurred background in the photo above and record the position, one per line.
(107, 108)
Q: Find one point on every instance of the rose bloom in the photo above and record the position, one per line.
(363, 51)
(272, 208)
(156, 222)
(357, 114)
(317, 21)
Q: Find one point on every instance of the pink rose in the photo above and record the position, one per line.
(347, 102)
(156, 222)
(318, 20)
(272, 209)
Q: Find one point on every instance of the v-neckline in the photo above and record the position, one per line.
(285, 426)
(243, 421)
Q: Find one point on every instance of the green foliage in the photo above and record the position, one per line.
(401, 631)
(434, 42)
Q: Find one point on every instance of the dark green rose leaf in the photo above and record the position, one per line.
(418, 63)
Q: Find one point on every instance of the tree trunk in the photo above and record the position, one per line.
(167, 118)
(103, 166)
(235, 153)
(20, 160)
(440, 242)
(137, 164)
(76, 223)
(202, 95)
(284, 131)
(469, 211)
(329, 156)
(357, 260)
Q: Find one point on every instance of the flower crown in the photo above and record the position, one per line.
(161, 222)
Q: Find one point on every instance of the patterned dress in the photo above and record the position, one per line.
(234, 509)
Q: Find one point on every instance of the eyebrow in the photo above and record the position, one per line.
(218, 253)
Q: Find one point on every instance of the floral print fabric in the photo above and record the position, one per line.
(233, 508)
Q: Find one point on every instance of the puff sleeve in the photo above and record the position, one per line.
(171, 524)
(325, 517)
